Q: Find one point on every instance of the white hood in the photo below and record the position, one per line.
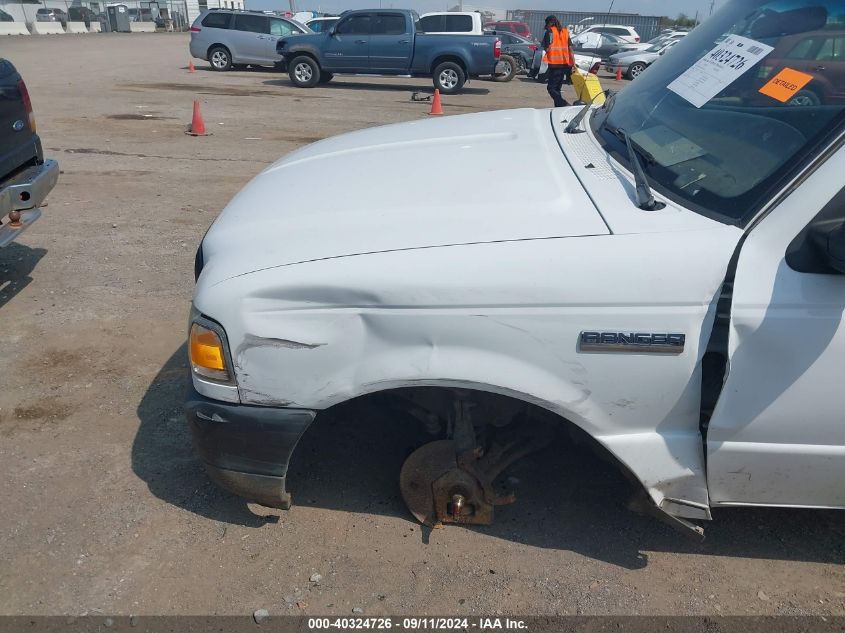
(486, 177)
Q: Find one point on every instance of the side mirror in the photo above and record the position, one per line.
(828, 239)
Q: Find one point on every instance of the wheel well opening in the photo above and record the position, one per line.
(217, 45)
(289, 57)
(351, 457)
(448, 58)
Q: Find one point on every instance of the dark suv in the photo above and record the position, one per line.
(228, 38)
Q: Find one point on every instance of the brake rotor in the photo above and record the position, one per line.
(424, 466)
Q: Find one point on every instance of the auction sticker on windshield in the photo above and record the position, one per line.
(718, 69)
(786, 84)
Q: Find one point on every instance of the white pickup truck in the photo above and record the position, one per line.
(663, 276)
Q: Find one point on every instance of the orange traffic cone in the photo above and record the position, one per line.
(436, 107)
(619, 74)
(191, 68)
(197, 124)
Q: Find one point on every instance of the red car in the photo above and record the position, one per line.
(820, 54)
(520, 28)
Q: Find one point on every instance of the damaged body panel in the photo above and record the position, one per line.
(663, 277)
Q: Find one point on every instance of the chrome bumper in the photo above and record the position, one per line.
(22, 194)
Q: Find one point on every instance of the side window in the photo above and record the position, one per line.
(802, 49)
(826, 53)
(388, 24)
(317, 26)
(252, 23)
(458, 23)
(839, 49)
(217, 20)
(355, 25)
(432, 24)
(280, 27)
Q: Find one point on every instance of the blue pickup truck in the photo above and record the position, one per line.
(388, 42)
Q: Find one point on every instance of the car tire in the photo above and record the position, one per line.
(449, 78)
(326, 77)
(220, 58)
(805, 97)
(508, 65)
(304, 72)
(635, 70)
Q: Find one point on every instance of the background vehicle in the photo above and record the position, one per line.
(25, 177)
(820, 54)
(663, 37)
(386, 42)
(627, 33)
(467, 22)
(521, 49)
(601, 47)
(51, 15)
(229, 38)
(520, 28)
(5, 17)
(82, 14)
(321, 25)
(633, 63)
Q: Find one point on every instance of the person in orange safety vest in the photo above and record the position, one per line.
(559, 57)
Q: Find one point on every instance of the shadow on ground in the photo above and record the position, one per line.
(381, 86)
(17, 262)
(568, 498)
(164, 458)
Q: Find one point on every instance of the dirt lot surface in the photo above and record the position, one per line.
(105, 508)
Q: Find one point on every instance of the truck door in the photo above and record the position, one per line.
(777, 435)
(390, 43)
(348, 48)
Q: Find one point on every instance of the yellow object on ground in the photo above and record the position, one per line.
(587, 87)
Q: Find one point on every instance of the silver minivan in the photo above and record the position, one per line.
(228, 38)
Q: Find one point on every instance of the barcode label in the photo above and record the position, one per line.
(718, 69)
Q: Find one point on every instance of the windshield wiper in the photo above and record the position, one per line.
(645, 199)
(572, 127)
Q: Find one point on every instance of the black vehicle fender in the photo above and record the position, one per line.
(296, 51)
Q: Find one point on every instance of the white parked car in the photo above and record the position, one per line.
(660, 39)
(633, 63)
(321, 24)
(627, 33)
(662, 277)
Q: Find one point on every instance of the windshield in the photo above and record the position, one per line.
(737, 106)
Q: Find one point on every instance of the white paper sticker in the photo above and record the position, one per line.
(718, 69)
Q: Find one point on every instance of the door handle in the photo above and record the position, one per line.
(819, 68)
(360, 41)
(404, 41)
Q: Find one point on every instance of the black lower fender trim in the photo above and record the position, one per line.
(246, 448)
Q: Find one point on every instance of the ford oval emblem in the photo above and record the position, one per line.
(17, 126)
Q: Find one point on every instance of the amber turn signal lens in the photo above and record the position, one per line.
(207, 356)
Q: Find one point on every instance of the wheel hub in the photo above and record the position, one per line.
(451, 481)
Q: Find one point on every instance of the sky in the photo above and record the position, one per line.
(644, 7)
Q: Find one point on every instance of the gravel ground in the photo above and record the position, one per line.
(105, 507)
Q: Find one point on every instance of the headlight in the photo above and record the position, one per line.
(208, 351)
